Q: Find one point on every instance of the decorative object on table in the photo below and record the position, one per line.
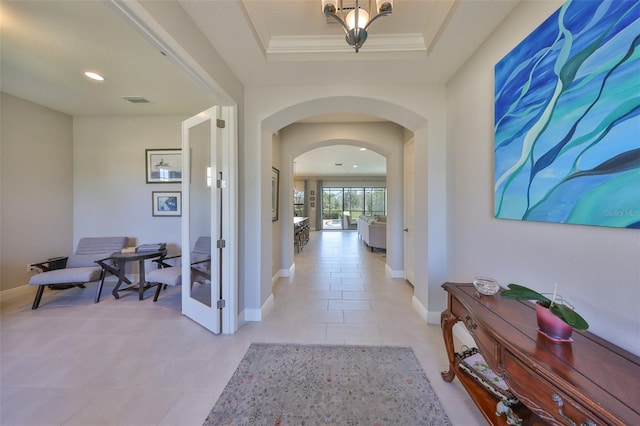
(275, 193)
(566, 121)
(556, 318)
(166, 203)
(486, 285)
(327, 384)
(148, 248)
(474, 364)
(164, 165)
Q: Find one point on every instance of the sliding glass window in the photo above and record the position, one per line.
(341, 207)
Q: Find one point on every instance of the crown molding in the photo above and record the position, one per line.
(308, 46)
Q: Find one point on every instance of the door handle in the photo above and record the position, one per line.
(406, 229)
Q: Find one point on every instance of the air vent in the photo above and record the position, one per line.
(136, 99)
(338, 164)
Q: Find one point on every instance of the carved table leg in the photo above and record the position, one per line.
(447, 321)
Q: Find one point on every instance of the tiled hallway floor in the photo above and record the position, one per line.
(130, 362)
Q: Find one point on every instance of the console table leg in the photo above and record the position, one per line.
(447, 321)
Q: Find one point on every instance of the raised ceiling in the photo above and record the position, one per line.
(47, 45)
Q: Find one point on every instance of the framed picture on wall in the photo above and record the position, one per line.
(166, 203)
(164, 165)
(312, 192)
(275, 193)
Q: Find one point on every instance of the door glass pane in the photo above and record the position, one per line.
(200, 180)
(332, 208)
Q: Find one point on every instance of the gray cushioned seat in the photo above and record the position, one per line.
(67, 275)
(170, 276)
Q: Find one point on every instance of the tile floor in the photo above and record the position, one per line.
(130, 362)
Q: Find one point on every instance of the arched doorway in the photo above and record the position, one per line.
(274, 115)
(383, 138)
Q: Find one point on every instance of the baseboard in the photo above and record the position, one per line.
(419, 308)
(286, 273)
(275, 278)
(266, 306)
(428, 317)
(256, 315)
(250, 315)
(12, 293)
(393, 273)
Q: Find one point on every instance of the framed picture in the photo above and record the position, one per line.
(312, 198)
(166, 203)
(275, 193)
(164, 165)
(313, 205)
(312, 192)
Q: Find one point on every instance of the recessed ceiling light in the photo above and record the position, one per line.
(363, 149)
(355, 165)
(94, 76)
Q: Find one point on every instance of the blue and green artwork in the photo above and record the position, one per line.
(567, 119)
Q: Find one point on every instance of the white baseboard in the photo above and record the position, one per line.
(393, 273)
(428, 317)
(256, 315)
(275, 278)
(16, 292)
(420, 309)
(266, 306)
(286, 273)
(251, 315)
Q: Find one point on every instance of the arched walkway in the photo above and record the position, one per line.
(429, 204)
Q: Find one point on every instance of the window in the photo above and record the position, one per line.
(352, 202)
(298, 202)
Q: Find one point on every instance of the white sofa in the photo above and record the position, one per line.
(373, 231)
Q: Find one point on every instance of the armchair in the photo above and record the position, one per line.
(79, 268)
(168, 274)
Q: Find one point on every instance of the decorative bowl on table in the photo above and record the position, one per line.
(485, 285)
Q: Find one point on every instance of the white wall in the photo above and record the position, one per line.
(36, 186)
(596, 268)
(110, 189)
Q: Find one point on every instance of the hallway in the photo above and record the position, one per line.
(73, 362)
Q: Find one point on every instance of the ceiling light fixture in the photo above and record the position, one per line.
(94, 76)
(356, 35)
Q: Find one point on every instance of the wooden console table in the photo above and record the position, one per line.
(585, 382)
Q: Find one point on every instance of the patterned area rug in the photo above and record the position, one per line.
(328, 385)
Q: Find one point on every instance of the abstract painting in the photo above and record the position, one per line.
(567, 119)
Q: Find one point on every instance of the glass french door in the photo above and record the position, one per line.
(209, 230)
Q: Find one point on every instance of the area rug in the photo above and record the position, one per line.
(328, 385)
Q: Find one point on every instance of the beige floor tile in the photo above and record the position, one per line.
(131, 362)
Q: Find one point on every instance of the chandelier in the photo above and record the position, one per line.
(356, 35)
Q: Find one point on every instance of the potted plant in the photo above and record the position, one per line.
(556, 318)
